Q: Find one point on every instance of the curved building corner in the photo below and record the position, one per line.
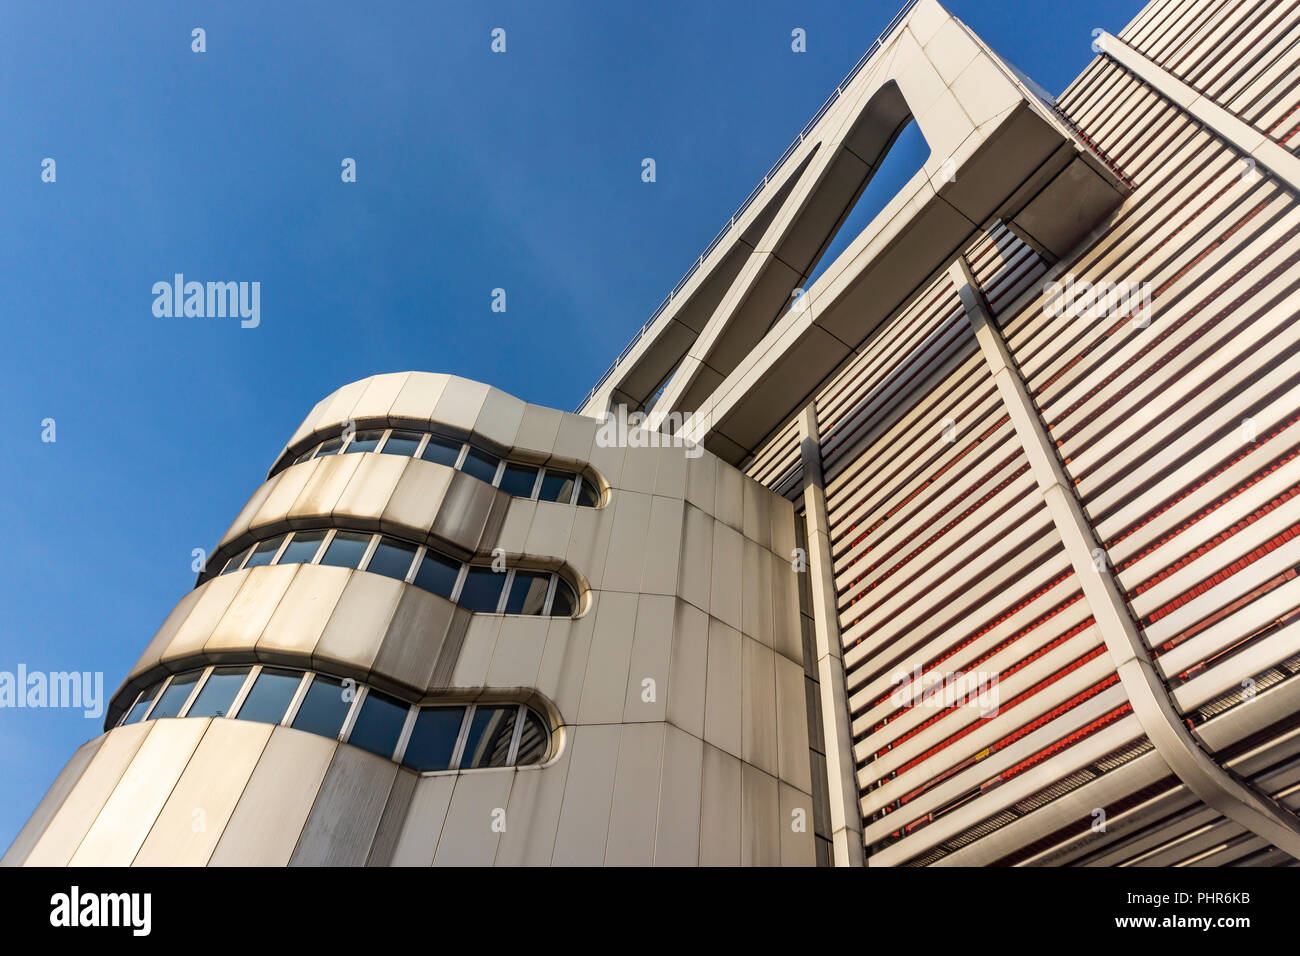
(455, 628)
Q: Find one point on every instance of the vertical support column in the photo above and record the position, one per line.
(1146, 691)
(842, 784)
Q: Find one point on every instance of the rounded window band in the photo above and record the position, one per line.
(427, 738)
(540, 483)
(477, 588)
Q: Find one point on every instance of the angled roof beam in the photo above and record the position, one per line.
(857, 138)
(998, 152)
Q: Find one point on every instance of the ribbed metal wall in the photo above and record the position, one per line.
(946, 560)
(1179, 436)
(778, 464)
(1182, 437)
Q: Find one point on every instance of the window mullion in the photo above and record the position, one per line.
(457, 753)
(404, 737)
(550, 594)
(418, 560)
(504, 598)
(324, 545)
(157, 697)
(280, 550)
(460, 583)
(244, 690)
(369, 552)
(513, 754)
(194, 692)
(354, 711)
(296, 700)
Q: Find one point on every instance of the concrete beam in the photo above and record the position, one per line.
(737, 357)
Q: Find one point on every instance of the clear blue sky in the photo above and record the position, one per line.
(475, 171)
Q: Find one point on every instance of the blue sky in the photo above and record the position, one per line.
(475, 171)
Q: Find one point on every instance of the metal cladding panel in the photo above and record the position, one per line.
(534, 815)
(677, 832)
(50, 803)
(131, 809)
(633, 810)
(588, 793)
(269, 817)
(393, 819)
(425, 812)
(81, 806)
(720, 809)
(414, 637)
(472, 831)
(345, 817)
(195, 815)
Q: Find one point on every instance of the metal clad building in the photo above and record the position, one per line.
(975, 546)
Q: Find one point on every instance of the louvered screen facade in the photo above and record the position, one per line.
(1178, 425)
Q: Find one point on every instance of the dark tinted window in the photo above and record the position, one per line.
(437, 574)
(324, 707)
(557, 486)
(264, 551)
(346, 549)
(174, 697)
(532, 742)
(565, 602)
(528, 592)
(218, 692)
(329, 447)
(302, 547)
(136, 713)
(441, 450)
(392, 558)
(270, 696)
(518, 480)
(367, 440)
(587, 495)
(433, 738)
(234, 563)
(402, 443)
(488, 743)
(480, 464)
(481, 590)
(379, 724)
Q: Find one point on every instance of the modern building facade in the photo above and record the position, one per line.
(975, 546)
